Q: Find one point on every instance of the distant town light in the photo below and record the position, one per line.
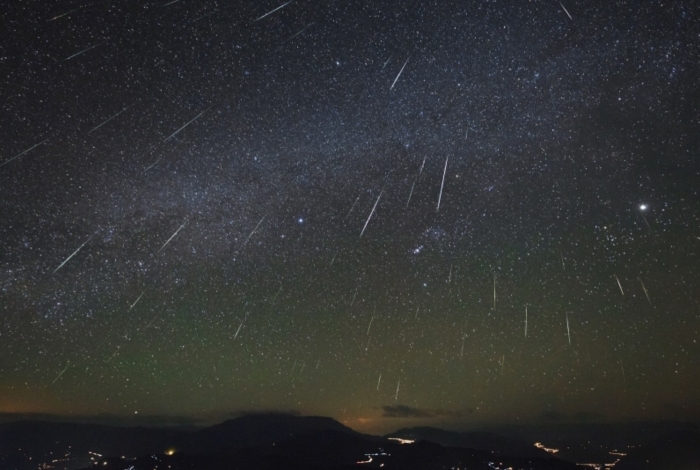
(402, 441)
(539, 445)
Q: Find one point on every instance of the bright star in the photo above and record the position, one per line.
(643, 207)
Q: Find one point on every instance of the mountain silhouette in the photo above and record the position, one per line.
(260, 442)
(256, 430)
(678, 451)
(332, 449)
(473, 440)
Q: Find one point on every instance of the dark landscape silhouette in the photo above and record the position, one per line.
(267, 441)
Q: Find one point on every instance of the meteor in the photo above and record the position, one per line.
(443, 183)
(74, 253)
(173, 236)
(272, 11)
(397, 77)
(370, 214)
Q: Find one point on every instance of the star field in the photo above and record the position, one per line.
(481, 211)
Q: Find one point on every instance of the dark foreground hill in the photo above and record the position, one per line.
(677, 451)
(29, 444)
(251, 442)
(255, 430)
(335, 450)
(485, 441)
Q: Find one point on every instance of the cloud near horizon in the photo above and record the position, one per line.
(403, 411)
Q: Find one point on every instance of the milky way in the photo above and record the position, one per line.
(203, 205)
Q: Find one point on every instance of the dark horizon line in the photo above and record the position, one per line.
(175, 421)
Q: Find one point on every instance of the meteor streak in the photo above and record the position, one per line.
(59, 375)
(645, 291)
(173, 236)
(297, 34)
(619, 285)
(20, 154)
(74, 253)
(526, 320)
(353, 206)
(150, 323)
(251, 233)
(565, 10)
(188, 123)
(494, 291)
(387, 61)
(411, 193)
(272, 11)
(137, 300)
(370, 214)
(105, 122)
(65, 14)
(275, 296)
(397, 77)
(83, 51)
(443, 183)
(623, 372)
(353, 298)
(239, 327)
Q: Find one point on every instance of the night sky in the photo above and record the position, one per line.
(447, 213)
